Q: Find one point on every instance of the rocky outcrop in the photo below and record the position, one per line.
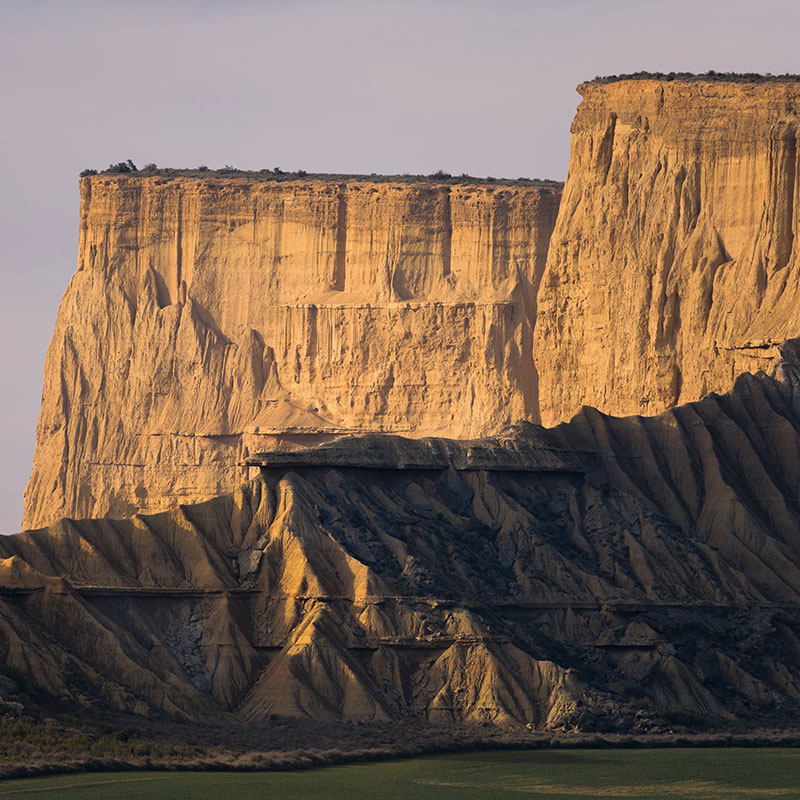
(637, 574)
(215, 316)
(505, 452)
(674, 263)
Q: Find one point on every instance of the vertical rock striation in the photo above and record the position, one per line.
(674, 264)
(210, 317)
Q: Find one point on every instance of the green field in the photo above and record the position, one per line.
(743, 774)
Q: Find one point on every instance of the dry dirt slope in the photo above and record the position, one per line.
(646, 572)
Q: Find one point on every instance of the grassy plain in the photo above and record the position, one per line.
(673, 773)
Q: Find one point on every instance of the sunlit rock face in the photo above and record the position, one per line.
(212, 317)
(674, 262)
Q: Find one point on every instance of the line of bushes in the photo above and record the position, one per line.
(277, 174)
(711, 75)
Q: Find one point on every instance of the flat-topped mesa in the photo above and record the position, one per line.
(674, 262)
(219, 315)
(521, 448)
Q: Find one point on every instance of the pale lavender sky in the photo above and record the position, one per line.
(479, 86)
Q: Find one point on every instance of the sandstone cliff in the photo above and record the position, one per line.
(211, 317)
(628, 574)
(674, 262)
(215, 316)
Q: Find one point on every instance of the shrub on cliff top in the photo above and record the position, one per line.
(711, 75)
(122, 166)
(277, 174)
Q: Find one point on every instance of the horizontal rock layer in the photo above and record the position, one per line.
(210, 318)
(658, 584)
(505, 452)
(674, 263)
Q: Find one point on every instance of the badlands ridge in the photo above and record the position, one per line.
(610, 574)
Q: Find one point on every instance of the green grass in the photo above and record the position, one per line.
(24, 739)
(732, 773)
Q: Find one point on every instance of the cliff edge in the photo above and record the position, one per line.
(215, 316)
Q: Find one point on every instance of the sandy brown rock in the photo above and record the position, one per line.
(654, 581)
(214, 317)
(674, 263)
(210, 318)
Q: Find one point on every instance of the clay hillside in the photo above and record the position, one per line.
(611, 574)
(291, 459)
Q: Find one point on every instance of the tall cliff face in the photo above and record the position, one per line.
(212, 317)
(674, 262)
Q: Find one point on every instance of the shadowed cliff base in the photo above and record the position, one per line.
(643, 576)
